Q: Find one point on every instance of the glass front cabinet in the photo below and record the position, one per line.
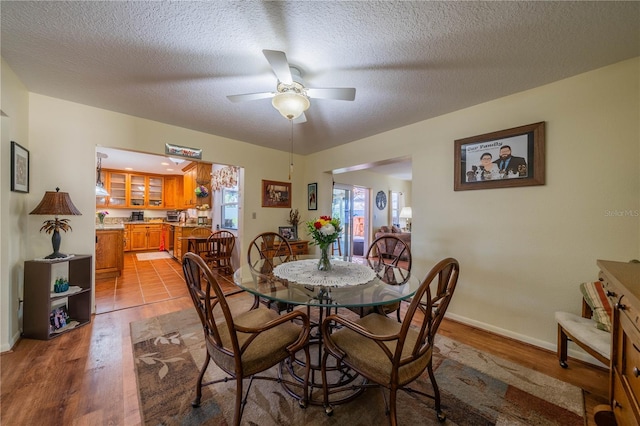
(128, 190)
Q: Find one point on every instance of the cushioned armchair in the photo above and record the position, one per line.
(392, 354)
(243, 344)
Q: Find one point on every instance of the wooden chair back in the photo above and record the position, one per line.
(220, 247)
(271, 247)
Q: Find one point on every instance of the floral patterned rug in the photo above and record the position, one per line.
(476, 388)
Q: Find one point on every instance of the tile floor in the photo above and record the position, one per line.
(145, 281)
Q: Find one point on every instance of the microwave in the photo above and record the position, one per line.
(172, 215)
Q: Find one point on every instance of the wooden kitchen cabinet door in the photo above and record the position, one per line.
(109, 253)
(138, 237)
(154, 235)
(173, 192)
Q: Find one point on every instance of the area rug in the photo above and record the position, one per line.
(153, 256)
(476, 388)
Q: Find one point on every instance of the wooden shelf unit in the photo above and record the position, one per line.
(39, 300)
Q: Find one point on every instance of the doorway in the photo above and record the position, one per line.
(349, 204)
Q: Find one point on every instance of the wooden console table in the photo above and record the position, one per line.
(621, 282)
(298, 248)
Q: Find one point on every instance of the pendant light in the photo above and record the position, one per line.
(100, 189)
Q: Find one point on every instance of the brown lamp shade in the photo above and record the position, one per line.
(56, 203)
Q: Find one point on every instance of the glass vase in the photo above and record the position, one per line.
(101, 219)
(324, 264)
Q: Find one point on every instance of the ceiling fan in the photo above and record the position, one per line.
(291, 97)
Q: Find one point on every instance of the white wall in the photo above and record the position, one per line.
(13, 207)
(523, 251)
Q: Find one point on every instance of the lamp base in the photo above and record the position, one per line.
(57, 255)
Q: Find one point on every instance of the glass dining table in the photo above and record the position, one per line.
(300, 285)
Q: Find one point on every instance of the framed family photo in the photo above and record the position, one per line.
(19, 168)
(276, 194)
(287, 232)
(502, 159)
(312, 196)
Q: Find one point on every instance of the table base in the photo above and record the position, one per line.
(345, 384)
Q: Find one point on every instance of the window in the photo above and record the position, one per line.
(395, 208)
(229, 208)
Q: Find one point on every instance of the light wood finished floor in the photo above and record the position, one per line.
(86, 377)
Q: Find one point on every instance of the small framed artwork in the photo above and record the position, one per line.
(19, 168)
(287, 232)
(312, 196)
(502, 159)
(276, 194)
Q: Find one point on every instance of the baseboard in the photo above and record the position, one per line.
(573, 352)
(9, 346)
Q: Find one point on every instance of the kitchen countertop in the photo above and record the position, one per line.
(109, 227)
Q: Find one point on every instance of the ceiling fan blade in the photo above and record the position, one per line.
(341, 94)
(280, 65)
(250, 96)
(301, 119)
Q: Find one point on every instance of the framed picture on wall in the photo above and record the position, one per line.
(502, 159)
(312, 196)
(19, 168)
(276, 194)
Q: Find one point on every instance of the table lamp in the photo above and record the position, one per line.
(56, 203)
(406, 213)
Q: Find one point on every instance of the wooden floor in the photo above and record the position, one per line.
(86, 377)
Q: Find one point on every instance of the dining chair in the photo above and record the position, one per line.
(219, 251)
(243, 344)
(199, 247)
(390, 258)
(266, 251)
(391, 354)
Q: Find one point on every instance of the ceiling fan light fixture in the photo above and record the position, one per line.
(290, 104)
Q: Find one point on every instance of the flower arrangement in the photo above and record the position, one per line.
(201, 191)
(324, 231)
(101, 215)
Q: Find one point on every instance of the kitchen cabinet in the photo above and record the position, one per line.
(127, 237)
(145, 236)
(179, 246)
(116, 185)
(42, 306)
(137, 190)
(189, 185)
(109, 252)
(146, 191)
(196, 174)
(173, 192)
(132, 190)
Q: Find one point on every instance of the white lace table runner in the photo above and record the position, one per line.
(342, 273)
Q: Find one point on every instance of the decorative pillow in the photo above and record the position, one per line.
(597, 300)
(396, 230)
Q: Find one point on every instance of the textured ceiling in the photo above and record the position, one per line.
(175, 62)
